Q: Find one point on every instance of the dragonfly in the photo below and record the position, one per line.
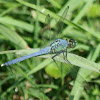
(56, 47)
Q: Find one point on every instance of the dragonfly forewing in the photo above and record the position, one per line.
(60, 23)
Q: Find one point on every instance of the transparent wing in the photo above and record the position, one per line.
(46, 32)
(47, 24)
(60, 23)
(81, 80)
(47, 19)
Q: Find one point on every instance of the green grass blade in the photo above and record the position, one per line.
(12, 36)
(78, 61)
(18, 23)
(40, 66)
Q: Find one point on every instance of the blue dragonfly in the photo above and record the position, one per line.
(56, 47)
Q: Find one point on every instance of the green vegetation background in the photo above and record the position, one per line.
(21, 22)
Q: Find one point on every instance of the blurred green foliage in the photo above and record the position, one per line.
(94, 10)
(21, 23)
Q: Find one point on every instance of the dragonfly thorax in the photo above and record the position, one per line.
(58, 45)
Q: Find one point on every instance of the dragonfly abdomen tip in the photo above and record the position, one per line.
(2, 65)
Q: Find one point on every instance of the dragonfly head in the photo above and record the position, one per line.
(72, 43)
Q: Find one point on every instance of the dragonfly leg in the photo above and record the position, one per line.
(65, 56)
(54, 59)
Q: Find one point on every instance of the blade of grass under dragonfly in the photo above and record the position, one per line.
(77, 61)
(81, 80)
(66, 60)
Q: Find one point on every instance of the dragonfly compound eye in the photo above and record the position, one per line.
(72, 43)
